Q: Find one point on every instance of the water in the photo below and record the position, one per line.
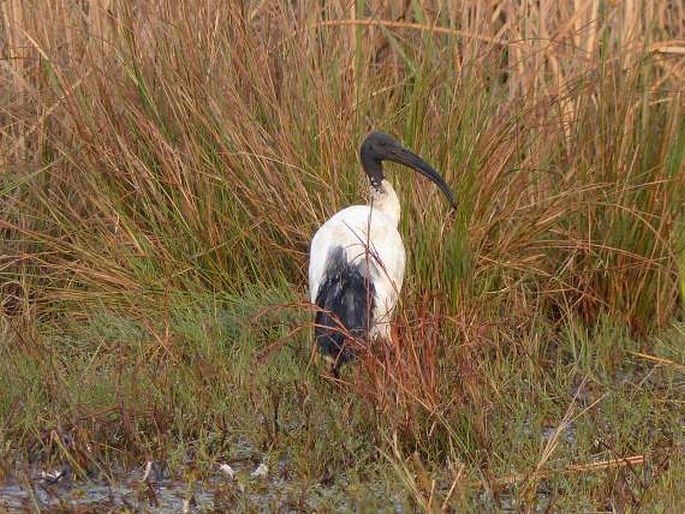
(152, 489)
(243, 484)
(162, 497)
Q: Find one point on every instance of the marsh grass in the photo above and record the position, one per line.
(165, 166)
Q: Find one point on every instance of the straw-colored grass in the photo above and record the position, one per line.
(164, 165)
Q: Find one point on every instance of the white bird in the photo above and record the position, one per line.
(357, 258)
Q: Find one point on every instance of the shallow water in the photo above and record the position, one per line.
(239, 485)
(159, 494)
(168, 496)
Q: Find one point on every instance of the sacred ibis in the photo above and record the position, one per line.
(356, 258)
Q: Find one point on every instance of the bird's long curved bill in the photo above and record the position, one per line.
(403, 156)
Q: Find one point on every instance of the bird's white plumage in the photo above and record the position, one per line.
(368, 234)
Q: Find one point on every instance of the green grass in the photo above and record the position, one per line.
(190, 390)
(166, 168)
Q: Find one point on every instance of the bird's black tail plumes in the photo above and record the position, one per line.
(345, 300)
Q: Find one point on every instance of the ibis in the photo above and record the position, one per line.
(357, 258)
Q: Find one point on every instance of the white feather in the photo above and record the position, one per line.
(368, 234)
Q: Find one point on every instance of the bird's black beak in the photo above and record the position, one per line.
(378, 147)
(408, 158)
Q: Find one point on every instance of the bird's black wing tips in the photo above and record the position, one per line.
(345, 301)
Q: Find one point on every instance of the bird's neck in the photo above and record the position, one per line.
(384, 199)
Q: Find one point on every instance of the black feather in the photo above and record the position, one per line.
(345, 300)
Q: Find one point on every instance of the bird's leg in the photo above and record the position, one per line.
(336, 365)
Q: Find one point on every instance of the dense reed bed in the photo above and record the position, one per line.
(165, 164)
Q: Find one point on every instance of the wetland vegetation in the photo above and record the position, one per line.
(164, 166)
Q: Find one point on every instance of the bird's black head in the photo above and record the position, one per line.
(378, 147)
